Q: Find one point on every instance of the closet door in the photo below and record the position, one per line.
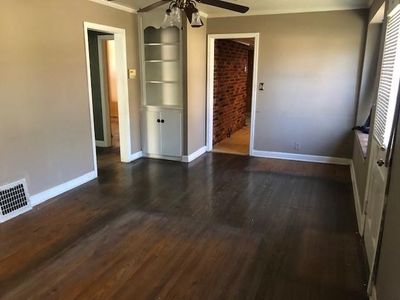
(152, 132)
(171, 132)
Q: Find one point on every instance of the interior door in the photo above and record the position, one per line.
(385, 111)
(375, 199)
(171, 133)
(152, 132)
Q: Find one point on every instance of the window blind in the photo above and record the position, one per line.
(389, 81)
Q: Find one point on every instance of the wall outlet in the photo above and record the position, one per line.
(132, 73)
(296, 146)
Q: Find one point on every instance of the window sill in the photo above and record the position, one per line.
(363, 142)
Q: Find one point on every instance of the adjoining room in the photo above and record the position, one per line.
(233, 84)
(104, 89)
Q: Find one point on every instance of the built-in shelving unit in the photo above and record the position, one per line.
(173, 95)
(162, 112)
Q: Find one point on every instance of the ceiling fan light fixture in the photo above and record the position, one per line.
(196, 20)
(190, 10)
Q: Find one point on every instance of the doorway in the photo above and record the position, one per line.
(232, 82)
(104, 89)
(108, 89)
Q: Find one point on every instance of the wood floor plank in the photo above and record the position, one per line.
(222, 227)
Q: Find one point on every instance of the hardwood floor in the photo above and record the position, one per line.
(238, 143)
(223, 227)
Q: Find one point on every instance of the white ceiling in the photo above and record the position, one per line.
(258, 7)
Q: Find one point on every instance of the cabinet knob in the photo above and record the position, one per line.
(380, 162)
(158, 121)
(162, 121)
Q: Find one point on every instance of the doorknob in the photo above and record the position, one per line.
(380, 162)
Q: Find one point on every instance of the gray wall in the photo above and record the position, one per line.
(388, 287)
(310, 64)
(196, 79)
(45, 130)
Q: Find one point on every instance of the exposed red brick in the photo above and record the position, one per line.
(231, 93)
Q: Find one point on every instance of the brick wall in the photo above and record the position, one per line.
(230, 88)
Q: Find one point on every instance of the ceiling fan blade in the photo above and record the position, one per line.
(226, 5)
(153, 6)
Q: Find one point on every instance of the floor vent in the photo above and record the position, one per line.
(14, 200)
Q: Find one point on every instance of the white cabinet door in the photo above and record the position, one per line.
(151, 132)
(171, 132)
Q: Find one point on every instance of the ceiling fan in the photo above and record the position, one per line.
(172, 16)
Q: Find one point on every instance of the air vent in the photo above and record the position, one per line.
(14, 200)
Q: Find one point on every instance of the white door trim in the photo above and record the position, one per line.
(210, 84)
(122, 88)
(105, 107)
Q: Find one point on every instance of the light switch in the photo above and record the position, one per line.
(132, 73)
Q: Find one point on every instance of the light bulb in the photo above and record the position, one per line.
(176, 17)
(168, 21)
(196, 20)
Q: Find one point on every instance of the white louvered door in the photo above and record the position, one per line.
(382, 126)
(389, 82)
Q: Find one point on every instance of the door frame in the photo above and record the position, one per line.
(210, 84)
(104, 93)
(122, 88)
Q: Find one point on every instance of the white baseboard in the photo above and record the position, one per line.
(62, 188)
(135, 156)
(164, 157)
(69, 185)
(360, 215)
(101, 144)
(302, 157)
(194, 155)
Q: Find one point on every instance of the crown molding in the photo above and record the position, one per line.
(251, 13)
(283, 11)
(115, 5)
(129, 9)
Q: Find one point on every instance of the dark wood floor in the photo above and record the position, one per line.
(223, 227)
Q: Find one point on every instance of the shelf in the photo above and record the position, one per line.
(161, 44)
(161, 60)
(177, 107)
(160, 81)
